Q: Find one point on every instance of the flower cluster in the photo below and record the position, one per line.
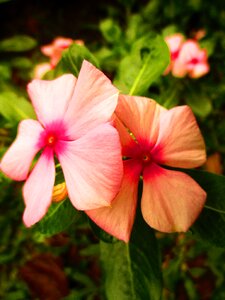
(89, 128)
(54, 52)
(187, 58)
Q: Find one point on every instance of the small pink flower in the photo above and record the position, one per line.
(174, 42)
(153, 137)
(74, 125)
(192, 60)
(55, 49)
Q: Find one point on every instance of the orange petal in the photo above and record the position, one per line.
(118, 219)
(171, 200)
(180, 143)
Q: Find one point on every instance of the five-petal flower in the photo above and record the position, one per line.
(74, 124)
(152, 138)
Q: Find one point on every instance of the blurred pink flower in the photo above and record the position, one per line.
(55, 49)
(153, 137)
(192, 60)
(74, 123)
(174, 42)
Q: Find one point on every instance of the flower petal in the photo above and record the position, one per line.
(118, 219)
(50, 98)
(199, 70)
(17, 159)
(38, 188)
(92, 166)
(93, 102)
(171, 200)
(141, 116)
(180, 143)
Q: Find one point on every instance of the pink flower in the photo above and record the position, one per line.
(153, 137)
(192, 60)
(55, 49)
(74, 125)
(174, 42)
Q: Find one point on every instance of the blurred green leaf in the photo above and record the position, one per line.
(200, 104)
(132, 271)
(110, 30)
(59, 217)
(101, 234)
(17, 43)
(15, 108)
(73, 57)
(21, 63)
(148, 58)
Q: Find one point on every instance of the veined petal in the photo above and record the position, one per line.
(171, 200)
(93, 102)
(118, 219)
(92, 167)
(38, 188)
(51, 98)
(141, 116)
(17, 159)
(180, 143)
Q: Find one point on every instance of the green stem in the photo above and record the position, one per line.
(215, 209)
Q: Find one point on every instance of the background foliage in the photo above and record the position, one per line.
(65, 260)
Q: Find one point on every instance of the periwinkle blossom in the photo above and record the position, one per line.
(152, 138)
(54, 52)
(74, 124)
(192, 61)
(187, 58)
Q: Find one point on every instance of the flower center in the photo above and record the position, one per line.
(146, 158)
(51, 140)
(194, 61)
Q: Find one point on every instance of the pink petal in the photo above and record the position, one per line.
(174, 42)
(41, 69)
(93, 102)
(51, 98)
(179, 68)
(190, 49)
(180, 143)
(17, 160)
(38, 188)
(199, 70)
(92, 166)
(171, 200)
(118, 219)
(140, 115)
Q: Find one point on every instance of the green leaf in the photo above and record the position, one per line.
(132, 271)
(59, 217)
(148, 59)
(101, 234)
(110, 30)
(17, 43)
(210, 226)
(201, 105)
(15, 108)
(73, 57)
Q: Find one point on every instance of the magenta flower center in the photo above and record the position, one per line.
(51, 140)
(53, 136)
(194, 61)
(174, 55)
